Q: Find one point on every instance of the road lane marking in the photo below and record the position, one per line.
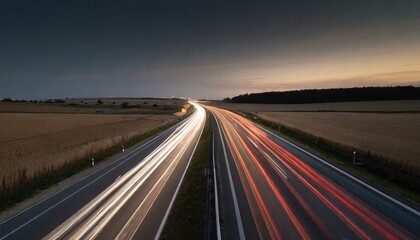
(232, 188)
(216, 196)
(128, 231)
(276, 166)
(348, 175)
(279, 169)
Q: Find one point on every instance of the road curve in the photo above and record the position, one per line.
(271, 189)
(129, 198)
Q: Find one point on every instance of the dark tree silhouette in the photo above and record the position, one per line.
(331, 95)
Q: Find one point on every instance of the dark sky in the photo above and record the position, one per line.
(203, 49)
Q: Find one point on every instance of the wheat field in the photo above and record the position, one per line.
(31, 144)
(389, 129)
(393, 136)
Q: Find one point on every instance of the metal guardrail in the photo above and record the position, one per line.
(357, 160)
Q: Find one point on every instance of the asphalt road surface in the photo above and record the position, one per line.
(129, 198)
(271, 189)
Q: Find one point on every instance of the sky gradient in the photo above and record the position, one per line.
(204, 49)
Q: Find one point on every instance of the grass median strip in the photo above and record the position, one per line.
(187, 219)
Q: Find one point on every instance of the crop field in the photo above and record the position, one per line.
(91, 106)
(389, 129)
(374, 106)
(393, 136)
(31, 144)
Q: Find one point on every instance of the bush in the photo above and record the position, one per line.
(125, 104)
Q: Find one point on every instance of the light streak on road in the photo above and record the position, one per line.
(89, 221)
(287, 198)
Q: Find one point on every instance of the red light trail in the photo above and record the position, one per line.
(290, 199)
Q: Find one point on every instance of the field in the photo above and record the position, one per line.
(375, 106)
(394, 136)
(91, 106)
(389, 129)
(32, 144)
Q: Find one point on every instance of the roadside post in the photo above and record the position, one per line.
(354, 157)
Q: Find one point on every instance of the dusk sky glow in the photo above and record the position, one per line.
(204, 49)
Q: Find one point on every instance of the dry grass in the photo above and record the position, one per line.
(393, 136)
(32, 144)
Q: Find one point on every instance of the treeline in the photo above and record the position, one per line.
(331, 95)
(33, 101)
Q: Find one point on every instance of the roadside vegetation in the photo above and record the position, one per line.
(191, 215)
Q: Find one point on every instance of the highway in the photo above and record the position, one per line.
(129, 198)
(270, 188)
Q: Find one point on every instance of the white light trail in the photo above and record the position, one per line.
(89, 221)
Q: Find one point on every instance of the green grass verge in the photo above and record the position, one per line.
(31, 187)
(377, 177)
(187, 219)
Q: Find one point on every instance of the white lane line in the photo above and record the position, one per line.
(132, 225)
(276, 166)
(165, 218)
(348, 175)
(132, 153)
(232, 188)
(216, 197)
(279, 169)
